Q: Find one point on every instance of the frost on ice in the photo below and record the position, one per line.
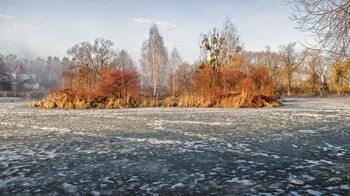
(301, 148)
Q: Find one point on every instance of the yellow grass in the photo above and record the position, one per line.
(63, 101)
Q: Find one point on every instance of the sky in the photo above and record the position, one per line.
(42, 28)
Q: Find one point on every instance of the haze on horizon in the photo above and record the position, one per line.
(40, 28)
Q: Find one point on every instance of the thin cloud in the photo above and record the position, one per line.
(7, 22)
(148, 22)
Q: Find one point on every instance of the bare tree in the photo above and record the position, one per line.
(93, 56)
(124, 61)
(10, 62)
(291, 62)
(328, 21)
(338, 80)
(154, 58)
(183, 75)
(218, 47)
(268, 59)
(231, 40)
(271, 60)
(175, 61)
(314, 70)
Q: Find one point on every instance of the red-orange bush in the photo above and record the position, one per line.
(118, 83)
(79, 81)
(264, 82)
(232, 87)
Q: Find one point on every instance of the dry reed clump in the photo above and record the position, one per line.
(143, 101)
(246, 101)
(228, 102)
(68, 100)
(47, 103)
(242, 100)
(79, 103)
(61, 100)
(194, 101)
(153, 103)
(169, 102)
(116, 103)
(64, 102)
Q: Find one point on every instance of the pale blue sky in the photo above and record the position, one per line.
(40, 28)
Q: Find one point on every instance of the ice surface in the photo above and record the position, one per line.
(301, 148)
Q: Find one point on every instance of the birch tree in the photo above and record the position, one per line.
(175, 62)
(154, 59)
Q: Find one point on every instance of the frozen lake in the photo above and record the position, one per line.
(300, 148)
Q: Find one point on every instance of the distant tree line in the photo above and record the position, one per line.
(306, 72)
(97, 74)
(48, 72)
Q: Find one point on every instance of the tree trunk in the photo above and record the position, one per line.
(174, 83)
(289, 83)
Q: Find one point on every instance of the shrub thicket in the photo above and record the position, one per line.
(226, 86)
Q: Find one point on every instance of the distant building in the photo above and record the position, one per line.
(18, 80)
(25, 81)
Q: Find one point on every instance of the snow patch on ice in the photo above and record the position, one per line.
(319, 162)
(153, 187)
(243, 182)
(260, 154)
(62, 130)
(308, 177)
(296, 181)
(275, 156)
(153, 141)
(308, 131)
(309, 115)
(294, 193)
(177, 185)
(69, 188)
(313, 192)
(157, 125)
(202, 123)
(334, 179)
(345, 187)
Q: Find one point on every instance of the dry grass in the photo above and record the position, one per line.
(239, 101)
(228, 102)
(148, 102)
(169, 102)
(194, 101)
(64, 100)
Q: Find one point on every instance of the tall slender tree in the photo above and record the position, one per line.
(154, 58)
(175, 61)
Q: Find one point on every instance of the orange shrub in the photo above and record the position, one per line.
(118, 83)
(80, 80)
(232, 87)
(264, 82)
